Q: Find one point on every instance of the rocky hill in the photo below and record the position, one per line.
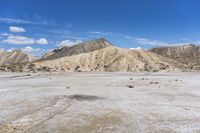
(100, 55)
(14, 57)
(84, 47)
(186, 54)
(112, 59)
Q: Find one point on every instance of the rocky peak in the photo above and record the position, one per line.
(84, 47)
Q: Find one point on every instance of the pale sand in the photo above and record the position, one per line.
(100, 102)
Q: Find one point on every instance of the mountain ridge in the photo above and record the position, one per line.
(186, 54)
(83, 47)
(111, 59)
(101, 55)
(15, 56)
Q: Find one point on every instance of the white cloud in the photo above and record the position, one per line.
(37, 52)
(101, 33)
(68, 43)
(197, 42)
(34, 51)
(17, 40)
(135, 48)
(29, 49)
(42, 41)
(10, 50)
(16, 29)
(5, 34)
(22, 40)
(1, 49)
(96, 32)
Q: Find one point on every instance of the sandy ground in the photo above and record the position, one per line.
(100, 102)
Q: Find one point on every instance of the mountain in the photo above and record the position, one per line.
(15, 56)
(186, 54)
(84, 47)
(111, 59)
(98, 55)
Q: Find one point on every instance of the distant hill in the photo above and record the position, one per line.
(84, 47)
(100, 55)
(111, 59)
(15, 56)
(186, 54)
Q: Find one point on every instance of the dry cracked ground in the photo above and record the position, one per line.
(99, 102)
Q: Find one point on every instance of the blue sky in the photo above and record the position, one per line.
(37, 26)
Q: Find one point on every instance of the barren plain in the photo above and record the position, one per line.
(100, 102)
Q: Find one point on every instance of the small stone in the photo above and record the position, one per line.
(130, 86)
(151, 82)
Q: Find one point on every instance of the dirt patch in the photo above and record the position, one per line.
(9, 128)
(85, 97)
(106, 122)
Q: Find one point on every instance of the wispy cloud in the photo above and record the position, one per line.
(2, 49)
(38, 52)
(16, 29)
(42, 41)
(135, 48)
(22, 21)
(18, 40)
(68, 43)
(10, 49)
(100, 33)
(185, 39)
(96, 32)
(5, 34)
(16, 21)
(146, 41)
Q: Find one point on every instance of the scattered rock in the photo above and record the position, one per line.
(130, 86)
(68, 87)
(154, 82)
(144, 79)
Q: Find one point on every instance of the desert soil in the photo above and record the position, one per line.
(99, 102)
